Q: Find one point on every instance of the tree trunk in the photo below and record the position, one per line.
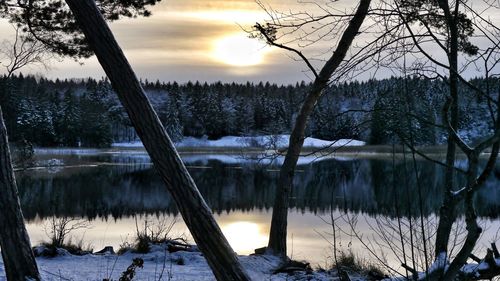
(447, 212)
(278, 233)
(18, 258)
(195, 212)
(473, 229)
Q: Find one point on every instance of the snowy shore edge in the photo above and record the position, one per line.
(268, 141)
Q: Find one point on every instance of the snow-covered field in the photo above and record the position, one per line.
(157, 263)
(269, 141)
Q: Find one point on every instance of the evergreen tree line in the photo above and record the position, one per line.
(87, 112)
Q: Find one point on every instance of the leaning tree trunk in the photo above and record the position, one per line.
(195, 212)
(18, 258)
(278, 233)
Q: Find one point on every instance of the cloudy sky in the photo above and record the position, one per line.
(199, 40)
(192, 40)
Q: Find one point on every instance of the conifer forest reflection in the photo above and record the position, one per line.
(113, 189)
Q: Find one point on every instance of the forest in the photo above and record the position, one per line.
(87, 113)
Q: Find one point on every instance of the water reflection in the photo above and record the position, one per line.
(245, 236)
(116, 188)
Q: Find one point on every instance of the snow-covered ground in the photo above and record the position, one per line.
(171, 266)
(269, 144)
(269, 141)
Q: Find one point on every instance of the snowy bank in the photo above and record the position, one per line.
(260, 159)
(269, 141)
(170, 266)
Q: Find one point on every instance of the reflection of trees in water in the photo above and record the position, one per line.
(365, 186)
(401, 185)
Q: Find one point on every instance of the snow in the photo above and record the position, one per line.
(440, 262)
(195, 267)
(68, 151)
(268, 141)
(482, 266)
(266, 159)
(128, 144)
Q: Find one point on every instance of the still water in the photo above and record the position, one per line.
(117, 190)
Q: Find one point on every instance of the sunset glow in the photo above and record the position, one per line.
(244, 236)
(239, 50)
(232, 17)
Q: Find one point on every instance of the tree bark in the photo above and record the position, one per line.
(18, 258)
(195, 212)
(473, 229)
(447, 212)
(278, 233)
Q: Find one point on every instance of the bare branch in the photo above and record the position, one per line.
(23, 51)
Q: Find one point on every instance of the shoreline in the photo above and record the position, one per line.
(355, 152)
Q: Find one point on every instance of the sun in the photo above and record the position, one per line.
(244, 236)
(239, 50)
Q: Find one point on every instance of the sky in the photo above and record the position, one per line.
(199, 40)
(190, 40)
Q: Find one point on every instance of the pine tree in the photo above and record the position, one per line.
(169, 115)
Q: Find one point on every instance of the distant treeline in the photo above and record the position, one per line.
(87, 112)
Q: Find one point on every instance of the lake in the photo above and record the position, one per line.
(117, 190)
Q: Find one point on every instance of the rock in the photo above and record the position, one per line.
(260, 251)
(44, 251)
(108, 250)
(376, 275)
(49, 251)
(292, 266)
(175, 246)
(62, 252)
(53, 165)
(55, 162)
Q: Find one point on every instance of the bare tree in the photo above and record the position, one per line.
(58, 229)
(22, 52)
(278, 232)
(443, 40)
(438, 26)
(419, 29)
